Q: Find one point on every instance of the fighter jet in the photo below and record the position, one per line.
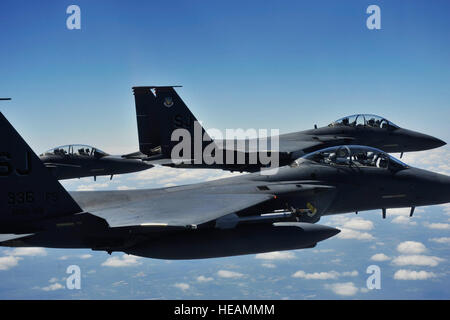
(160, 111)
(246, 214)
(77, 161)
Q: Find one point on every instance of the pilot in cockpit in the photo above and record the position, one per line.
(318, 157)
(362, 158)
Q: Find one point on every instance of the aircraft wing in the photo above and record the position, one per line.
(172, 208)
(7, 237)
(185, 206)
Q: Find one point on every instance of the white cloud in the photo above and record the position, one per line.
(124, 261)
(8, 262)
(417, 260)
(53, 287)
(441, 240)
(379, 257)
(337, 260)
(268, 265)
(139, 275)
(31, 252)
(323, 250)
(276, 255)
(164, 175)
(204, 279)
(316, 275)
(352, 228)
(119, 283)
(353, 273)
(358, 224)
(182, 286)
(343, 289)
(323, 275)
(403, 211)
(92, 186)
(404, 220)
(434, 160)
(81, 256)
(411, 247)
(352, 223)
(125, 188)
(353, 234)
(439, 226)
(446, 208)
(229, 274)
(403, 274)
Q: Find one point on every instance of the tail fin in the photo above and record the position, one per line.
(149, 132)
(28, 191)
(160, 111)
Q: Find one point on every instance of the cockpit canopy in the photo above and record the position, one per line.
(77, 150)
(354, 155)
(364, 120)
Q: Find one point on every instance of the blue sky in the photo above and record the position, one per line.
(243, 64)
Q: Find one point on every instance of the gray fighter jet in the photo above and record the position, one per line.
(77, 161)
(160, 111)
(247, 214)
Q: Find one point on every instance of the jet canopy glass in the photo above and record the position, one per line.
(75, 149)
(353, 155)
(364, 120)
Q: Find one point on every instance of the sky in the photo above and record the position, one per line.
(242, 64)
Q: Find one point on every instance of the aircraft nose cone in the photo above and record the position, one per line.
(417, 141)
(430, 142)
(446, 188)
(442, 188)
(438, 142)
(144, 165)
(429, 187)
